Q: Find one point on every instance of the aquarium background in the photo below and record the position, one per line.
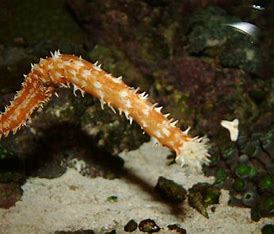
(192, 57)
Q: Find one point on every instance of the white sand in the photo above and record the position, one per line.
(73, 202)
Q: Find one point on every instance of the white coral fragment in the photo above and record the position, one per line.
(232, 127)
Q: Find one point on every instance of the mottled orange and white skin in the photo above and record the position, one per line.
(62, 70)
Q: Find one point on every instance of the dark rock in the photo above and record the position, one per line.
(10, 193)
(176, 228)
(130, 226)
(266, 204)
(250, 199)
(75, 232)
(268, 229)
(112, 199)
(170, 191)
(111, 232)
(148, 225)
(202, 195)
(255, 214)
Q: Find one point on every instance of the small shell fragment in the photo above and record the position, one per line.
(232, 127)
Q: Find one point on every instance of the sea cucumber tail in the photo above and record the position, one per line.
(32, 96)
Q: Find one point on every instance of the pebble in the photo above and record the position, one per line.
(130, 226)
(148, 225)
(177, 228)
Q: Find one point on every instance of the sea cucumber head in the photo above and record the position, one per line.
(194, 153)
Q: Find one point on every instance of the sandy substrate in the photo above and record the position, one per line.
(73, 202)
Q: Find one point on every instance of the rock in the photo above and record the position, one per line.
(148, 225)
(130, 226)
(170, 191)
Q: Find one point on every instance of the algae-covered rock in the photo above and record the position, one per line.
(202, 195)
(210, 29)
(212, 34)
(5, 153)
(144, 32)
(209, 95)
(268, 229)
(243, 54)
(177, 228)
(115, 62)
(38, 20)
(170, 191)
(10, 193)
(30, 30)
(111, 131)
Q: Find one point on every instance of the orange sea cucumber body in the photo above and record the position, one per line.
(62, 70)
